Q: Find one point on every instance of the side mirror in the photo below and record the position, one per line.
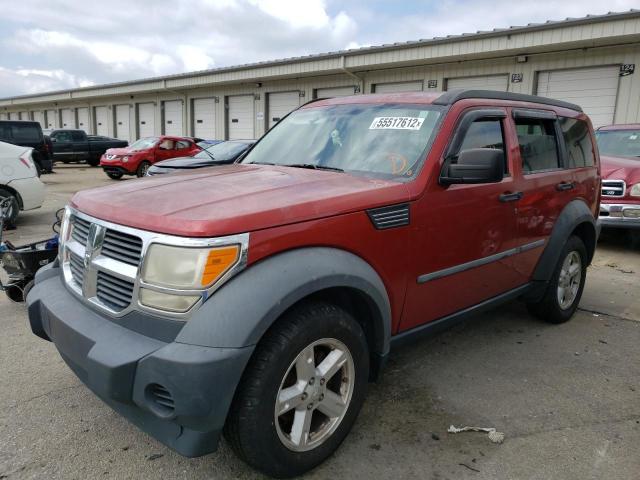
(476, 165)
(54, 139)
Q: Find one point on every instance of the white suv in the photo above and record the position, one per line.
(19, 179)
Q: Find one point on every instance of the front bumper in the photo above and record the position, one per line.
(178, 393)
(620, 215)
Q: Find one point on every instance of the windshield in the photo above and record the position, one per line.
(144, 143)
(387, 141)
(619, 143)
(222, 152)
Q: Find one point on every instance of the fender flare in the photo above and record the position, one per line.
(241, 311)
(576, 214)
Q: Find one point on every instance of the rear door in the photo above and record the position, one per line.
(463, 235)
(544, 182)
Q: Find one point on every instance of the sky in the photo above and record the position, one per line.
(60, 44)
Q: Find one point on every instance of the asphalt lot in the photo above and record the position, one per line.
(567, 397)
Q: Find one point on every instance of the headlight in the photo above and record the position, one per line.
(125, 159)
(183, 268)
(635, 190)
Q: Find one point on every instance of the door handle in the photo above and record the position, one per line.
(564, 186)
(511, 197)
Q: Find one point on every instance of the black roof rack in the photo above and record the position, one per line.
(452, 96)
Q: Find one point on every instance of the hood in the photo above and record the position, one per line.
(620, 168)
(188, 162)
(123, 151)
(234, 199)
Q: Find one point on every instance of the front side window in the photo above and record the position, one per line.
(538, 145)
(166, 144)
(619, 143)
(144, 143)
(485, 133)
(578, 140)
(379, 140)
(63, 137)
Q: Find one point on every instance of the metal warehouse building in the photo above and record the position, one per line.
(589, 61)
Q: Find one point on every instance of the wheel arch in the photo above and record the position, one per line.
(283, 281)
(13, 192)
(576, 218)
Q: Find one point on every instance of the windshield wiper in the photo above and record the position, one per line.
(260, 163)
(313, 166)
(209, 153)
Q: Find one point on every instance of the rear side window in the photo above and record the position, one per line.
(25, 133)
(579, 146)
(77, 136)
(181, 145)
(485, 133)
(538, 144)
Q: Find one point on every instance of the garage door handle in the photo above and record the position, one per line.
(511, 197)
(564, 186)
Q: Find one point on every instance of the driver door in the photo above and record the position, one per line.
(463, 232)
(166, 149)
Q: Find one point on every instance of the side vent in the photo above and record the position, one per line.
(389, 217)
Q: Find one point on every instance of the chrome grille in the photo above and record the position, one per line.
(77, 268)
(113, 291)
(122, 247)
(613, 188)
(80, 231)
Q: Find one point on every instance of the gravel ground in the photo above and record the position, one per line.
(567, 397)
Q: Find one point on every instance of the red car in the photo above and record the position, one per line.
(620, 149)
(140, 155)
(259, 298)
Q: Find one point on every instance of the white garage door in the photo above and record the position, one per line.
(38, 116)
(397, 87)
(173, 117)
(122, 123)
(14, 116)
(240, 117)
(102, 120)
(594, 89)
(83, 119)
(204, 118)
(334, 92)
(24, 116)
(4, 116)
(485, 82)
(66, 114)
(146, 120)
(279, 104)
(52, 119)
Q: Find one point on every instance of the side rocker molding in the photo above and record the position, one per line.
(242, 310)
(575, 214)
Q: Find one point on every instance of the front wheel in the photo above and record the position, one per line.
(301, 392)
(114, 175)
(13, 209)
(564, 291)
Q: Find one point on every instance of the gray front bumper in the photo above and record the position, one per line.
(124, 368)
(619, 215)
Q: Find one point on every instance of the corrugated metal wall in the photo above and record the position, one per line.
(627, 107)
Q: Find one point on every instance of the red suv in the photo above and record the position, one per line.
(140, 155)
(620, 148)
(261, 303)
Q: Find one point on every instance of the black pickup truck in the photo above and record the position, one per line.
(76, 146)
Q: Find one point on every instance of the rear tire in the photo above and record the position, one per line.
(561, 299)
(142, 169)
(114, 175)
(318, 405)
(14, 209)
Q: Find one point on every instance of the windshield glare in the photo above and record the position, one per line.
(620, 143)
(144, 143)
(224, 151)
(387, 141)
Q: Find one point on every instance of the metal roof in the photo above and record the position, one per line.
(633, 13)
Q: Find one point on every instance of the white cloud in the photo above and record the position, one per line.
(26, 81)
(307, 14)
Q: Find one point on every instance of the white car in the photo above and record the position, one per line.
(19, 179)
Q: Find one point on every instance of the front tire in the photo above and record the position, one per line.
(114, 175)
(564, 291)
(301, 392)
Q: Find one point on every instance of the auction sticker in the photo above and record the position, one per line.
(396, 123)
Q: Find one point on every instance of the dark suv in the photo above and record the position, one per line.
(28, 134)
(259, 298)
